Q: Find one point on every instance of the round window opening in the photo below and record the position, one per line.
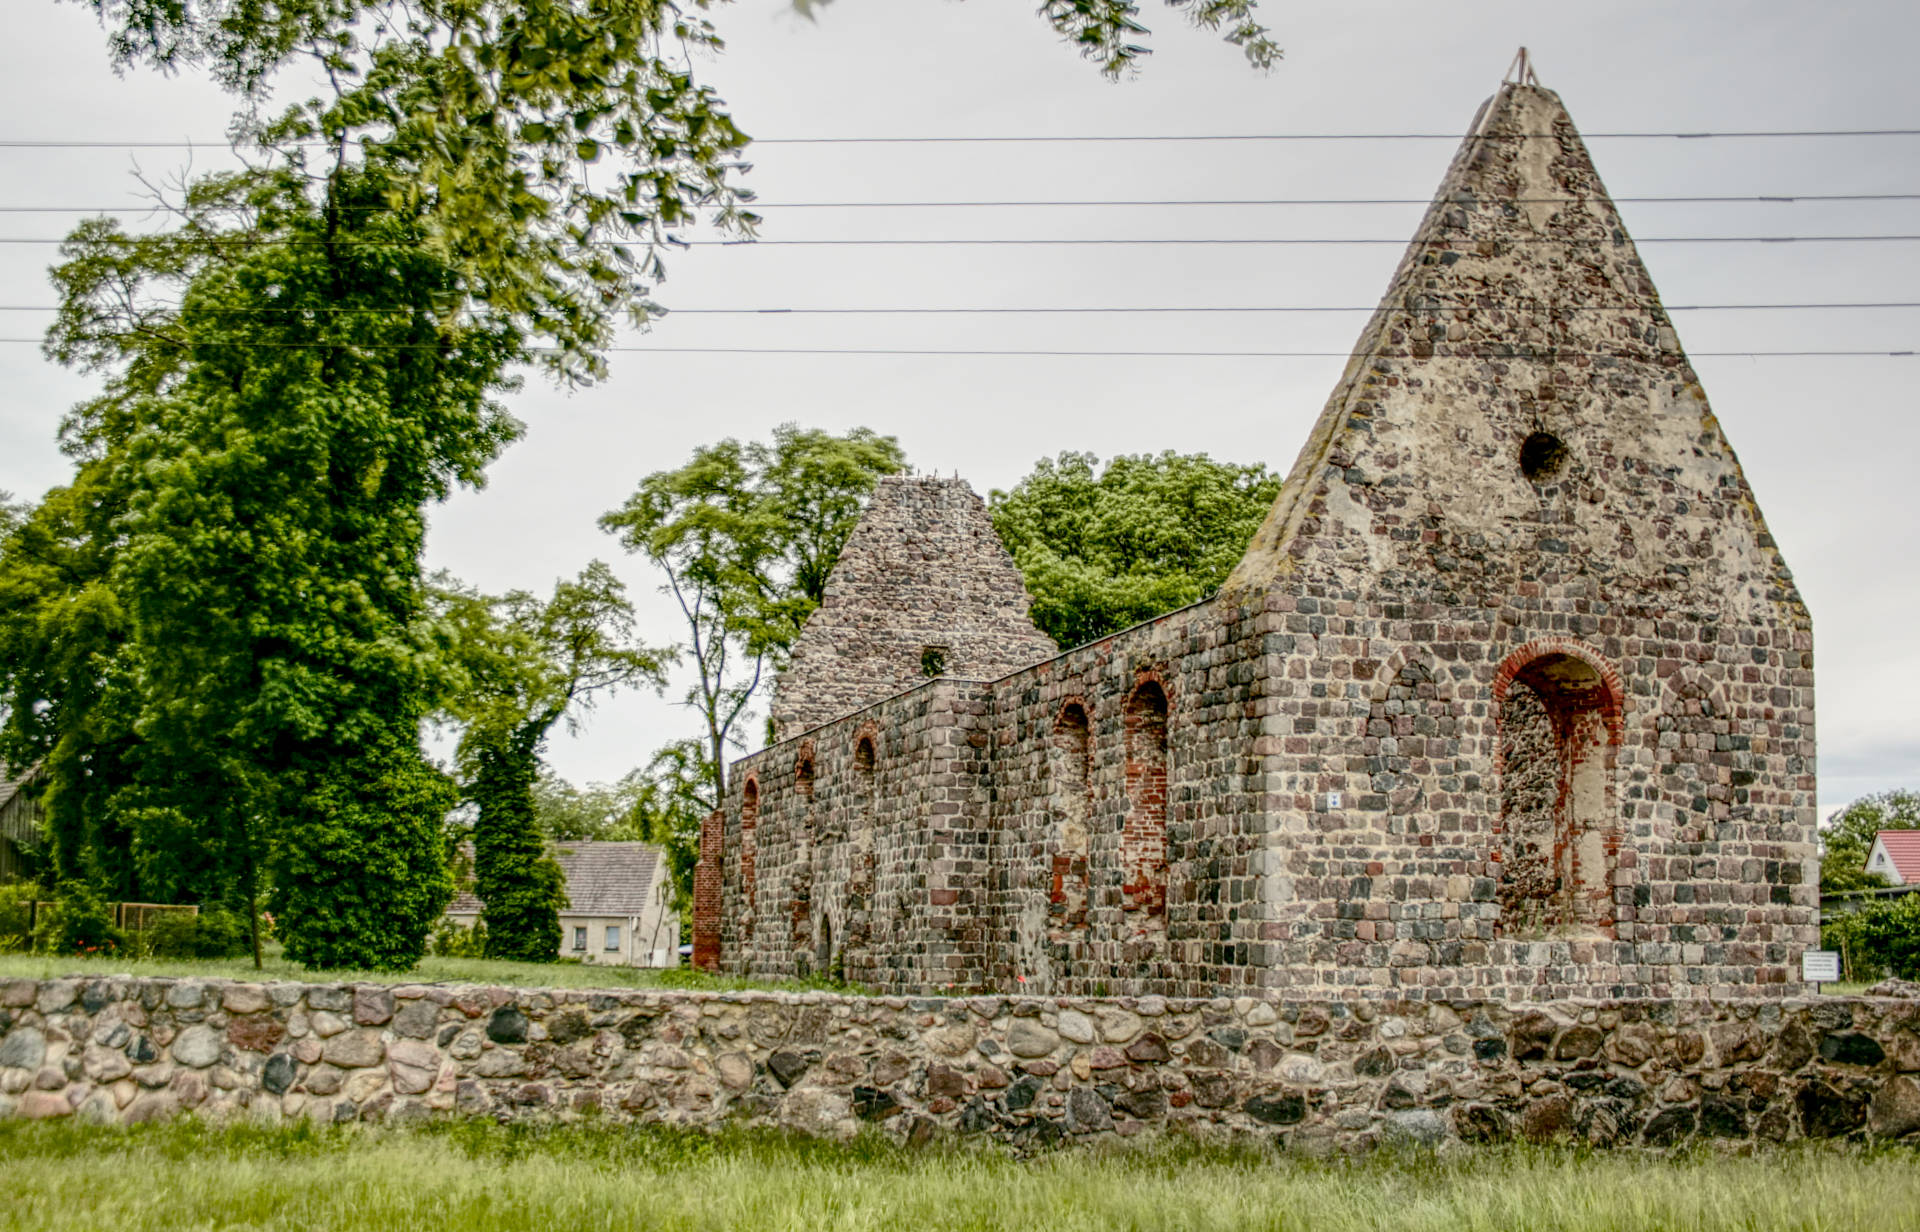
(1541, 456)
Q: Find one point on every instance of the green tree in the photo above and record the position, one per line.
(11, 514)
(598, 812)
(668, 810)
(65, 692)
(1846, 840)
(1104, 549)
(292, 371)
(525, 665)
(746, 535)
(1881, 937)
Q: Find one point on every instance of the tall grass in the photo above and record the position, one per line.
(430, 970)
(483, 1176)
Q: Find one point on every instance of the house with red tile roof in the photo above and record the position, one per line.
(1895, 855)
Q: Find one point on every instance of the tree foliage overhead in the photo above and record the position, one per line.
(216, 635)
(746, 535)
(1102, 549)
(1847, 839)
(523, 665)
(1107, 31)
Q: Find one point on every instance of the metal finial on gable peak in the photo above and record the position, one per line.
(1520, 72)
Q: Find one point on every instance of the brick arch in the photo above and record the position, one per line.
(1688, 684)
(1388, 670)
(869, 732)
(1154, 674)
(1614, 702)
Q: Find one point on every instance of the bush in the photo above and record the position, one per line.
(79, 922)
(451, 939)
(1881, 938)
(210, 934)
(359, 873)
(16, 933)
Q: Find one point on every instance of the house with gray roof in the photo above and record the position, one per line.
(619, 909)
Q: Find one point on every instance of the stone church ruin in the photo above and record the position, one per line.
(1510, 697)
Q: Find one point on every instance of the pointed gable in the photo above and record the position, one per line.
(1896, 856)
(1519, 411)
(924, 587)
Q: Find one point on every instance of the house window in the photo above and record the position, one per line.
(580, 937)
(613, 937)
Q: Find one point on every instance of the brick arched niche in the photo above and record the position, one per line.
(1070, 780)
(1557, 707)
(1143, 842)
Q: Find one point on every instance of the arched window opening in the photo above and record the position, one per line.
(749, 842)
(800, 907)
(857, 921)
(1143, 844)
(1557, 836)
(1069, 766)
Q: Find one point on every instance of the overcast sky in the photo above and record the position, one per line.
(1829, 444)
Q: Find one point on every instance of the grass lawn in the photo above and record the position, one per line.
(478, 1175)
(431, 970)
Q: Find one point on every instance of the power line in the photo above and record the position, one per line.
(53, 143)
(1503, 354)
(1201, 241)
(1765, 199)
(1499, 306)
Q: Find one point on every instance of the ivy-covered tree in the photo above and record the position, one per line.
(746, 535)
(1846, 840)
(525, 665)
(1104, 549)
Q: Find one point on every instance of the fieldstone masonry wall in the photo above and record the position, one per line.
(1025, 1071)
(923, 588)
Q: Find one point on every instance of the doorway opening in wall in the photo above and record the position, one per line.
(1559, 837)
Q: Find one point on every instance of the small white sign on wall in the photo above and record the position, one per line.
(1820, 966)
(1333, 801)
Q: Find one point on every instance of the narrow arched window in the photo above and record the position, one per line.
(1069, 768)
(1143, 844)
(749, 843)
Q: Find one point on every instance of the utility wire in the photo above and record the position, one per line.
(1504, 354)
(53, 143)
(1511, 306)
(1766, 199)
(1228, 241)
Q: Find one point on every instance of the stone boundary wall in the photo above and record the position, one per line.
(1313, 1075)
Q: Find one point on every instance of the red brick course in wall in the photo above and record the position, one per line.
(1351, 800)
